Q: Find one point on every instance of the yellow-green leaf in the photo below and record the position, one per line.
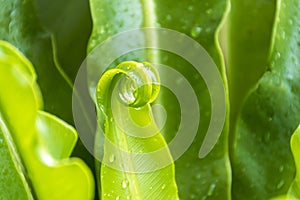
(43, 142)
(136, 163)
(294, 190)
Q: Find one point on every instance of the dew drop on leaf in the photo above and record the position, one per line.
(209, 11)
(192, 196)
(124, 184)
(283, 34)
(204, 198)
(101, 30)
(112, 158)
(190, 8)
(270, 119)
(280, 184)
(211, 189)
(277, 55)
(195, 32)
(107, 194)
(168, 17)
(198, 176)
(207, 30)
(281, 168)
(163, 186)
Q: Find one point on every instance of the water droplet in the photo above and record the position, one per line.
(198, 176)
(93, 42)
(124, 184)
(281, 168)
(192, 196)
(163, 186)
(118, 198)
(290, 22)
(127, 90)
(277, 55)
(271, 65)
(283, 35)
(190, 8)
(209, 11)
(101, 30)
(13, 14)
(270, 119)
(195, 32)
(204, 198)
(1, 140)
(168, 17)
(207, 30)
(211, 189)
(280, 184)
(128, 197)
(151, 188)
(107, 194)
(112, 158)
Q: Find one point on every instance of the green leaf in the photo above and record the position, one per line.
(69, 23)
(262, 159)
(250, 25)
(135, 166)
(209, 177)
(12, 176)
(20, 25)
(42, 141)
(294, 190)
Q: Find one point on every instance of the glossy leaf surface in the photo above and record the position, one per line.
(42, 141)
(208, 177)
(270, 114)
(69, 23)
(250, 26)
(294, 191)
(137, 163)
(20, 25)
